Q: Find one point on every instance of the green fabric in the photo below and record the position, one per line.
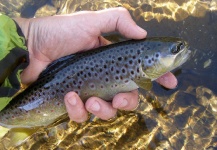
(8, 36)
(9, 39)
(4, 101)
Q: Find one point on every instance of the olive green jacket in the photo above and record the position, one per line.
(13, 58)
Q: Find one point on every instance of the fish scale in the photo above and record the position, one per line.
(102, 72)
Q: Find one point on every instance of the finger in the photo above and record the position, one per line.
(75, 107)
(118, 19)
(126, 101)
(168, 80)
(100, 108)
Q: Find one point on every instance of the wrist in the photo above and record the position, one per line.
(24, 26)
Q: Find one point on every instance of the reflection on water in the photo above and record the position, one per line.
(147, 9)
(183, 118)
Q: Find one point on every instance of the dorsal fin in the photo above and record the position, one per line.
(56, 65)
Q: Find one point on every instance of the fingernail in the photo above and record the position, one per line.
(72, 101)
(95, 106)
(141, 29)
(123, 103)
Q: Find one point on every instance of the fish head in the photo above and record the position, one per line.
(164, 55)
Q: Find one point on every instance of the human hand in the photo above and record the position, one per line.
(50, 38)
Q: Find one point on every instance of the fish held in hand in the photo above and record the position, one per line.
(102, 72)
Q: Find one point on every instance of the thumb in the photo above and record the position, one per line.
(32, 71)
(119, 19)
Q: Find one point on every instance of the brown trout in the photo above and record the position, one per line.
(102, 72)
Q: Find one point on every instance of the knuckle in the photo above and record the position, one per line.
(122, 9)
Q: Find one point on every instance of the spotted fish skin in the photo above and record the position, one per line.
(102, 72)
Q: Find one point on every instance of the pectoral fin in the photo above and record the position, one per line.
(144, 83)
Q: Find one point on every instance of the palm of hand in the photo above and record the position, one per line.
(59, 38)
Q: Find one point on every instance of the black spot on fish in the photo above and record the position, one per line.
(139, 60)
(89, 74)
(121, 77)
(76, 91)
(119, 58)
(112, 68)
(146, 57)
(123, 70)
(74, 82)
(137, 70)
(134, 57)
(92, 86)
(130, 62)
(91, 63)
(106, 79)
(138, 52)
(80, 82)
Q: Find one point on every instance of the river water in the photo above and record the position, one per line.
(182, 118)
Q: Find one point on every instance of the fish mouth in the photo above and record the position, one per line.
(182, 57)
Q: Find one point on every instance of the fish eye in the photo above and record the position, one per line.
(177, 48)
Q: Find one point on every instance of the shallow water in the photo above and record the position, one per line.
(183, 118)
